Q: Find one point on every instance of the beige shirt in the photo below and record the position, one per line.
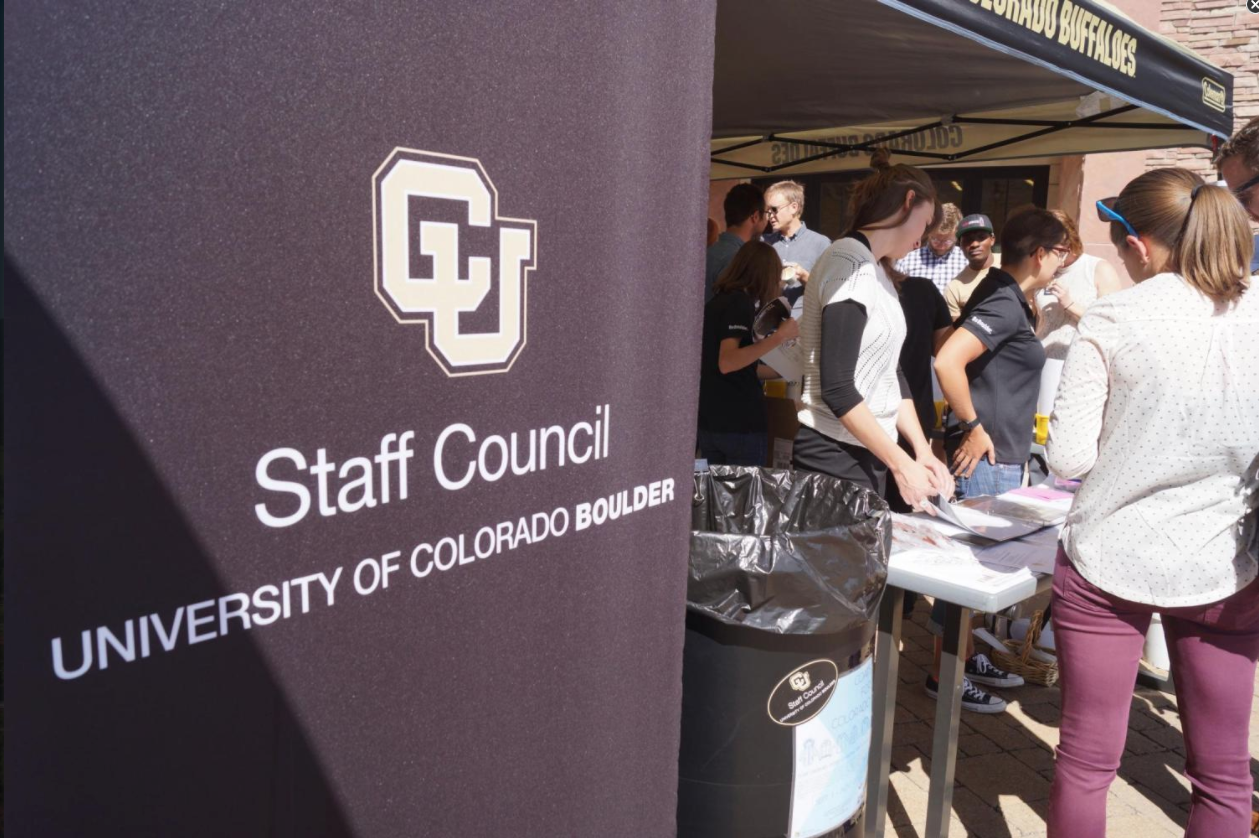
(957, 292)
(1158, 409)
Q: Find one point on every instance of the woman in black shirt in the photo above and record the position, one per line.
(732, 425)
(989, 370)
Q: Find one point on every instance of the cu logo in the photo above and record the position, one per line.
(423, 277)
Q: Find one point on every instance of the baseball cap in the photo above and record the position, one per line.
(971, 223)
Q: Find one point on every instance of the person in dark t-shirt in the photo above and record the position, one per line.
(732, 422)
(927, 325)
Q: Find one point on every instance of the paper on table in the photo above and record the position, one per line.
(965, 571)
(997, 519)
(1018, 508)
(945, 512)
(919, 547)
(1035, 553)
(910, 533)
(787, 361)
(1044, 494)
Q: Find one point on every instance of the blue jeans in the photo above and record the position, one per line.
(733, 448)
(986, 479)
(989, 479)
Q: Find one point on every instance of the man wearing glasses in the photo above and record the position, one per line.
(940, 259)
(797, 245)
(1238, 161)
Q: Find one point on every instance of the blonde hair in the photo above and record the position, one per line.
(1203, 226)
(1072, 241)
(950, 218)
(791, 191)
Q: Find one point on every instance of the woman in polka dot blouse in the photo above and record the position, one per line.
(1158, 411)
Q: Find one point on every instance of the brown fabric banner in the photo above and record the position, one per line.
(350, 410)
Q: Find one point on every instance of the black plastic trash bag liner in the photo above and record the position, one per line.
(787, 552)
(786, 573)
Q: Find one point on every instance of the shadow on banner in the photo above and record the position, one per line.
(91, 747)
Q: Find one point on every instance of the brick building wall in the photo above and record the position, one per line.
(1227, 35)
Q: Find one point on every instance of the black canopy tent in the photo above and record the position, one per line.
(806, 87)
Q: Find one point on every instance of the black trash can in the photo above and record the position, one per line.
(786, 573)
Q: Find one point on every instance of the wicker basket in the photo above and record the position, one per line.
(1032, 670)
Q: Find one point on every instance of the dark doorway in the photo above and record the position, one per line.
(992, 190)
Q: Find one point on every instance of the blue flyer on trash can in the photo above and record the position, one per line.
(832, 756)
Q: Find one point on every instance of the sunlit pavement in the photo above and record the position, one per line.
(1005, 761)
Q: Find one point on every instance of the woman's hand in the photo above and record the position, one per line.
(787, 330)
(1062, 294)
(975, 446)
(941, 479)
(916, 483)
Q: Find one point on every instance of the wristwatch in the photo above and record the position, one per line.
(968, 426)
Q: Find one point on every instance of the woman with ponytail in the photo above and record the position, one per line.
(854, 398)
(1158, 411)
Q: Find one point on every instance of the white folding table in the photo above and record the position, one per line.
(960, 601)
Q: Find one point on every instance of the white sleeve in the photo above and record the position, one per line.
(847, 278)
(1080, 404)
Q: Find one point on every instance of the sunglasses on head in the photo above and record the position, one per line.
(1106, 212)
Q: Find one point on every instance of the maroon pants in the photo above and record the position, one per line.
(1213, 649)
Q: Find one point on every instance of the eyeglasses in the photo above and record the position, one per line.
(1241, 190)
(770, 209)
(1061, 252)
(942, 240)
(1106, 212)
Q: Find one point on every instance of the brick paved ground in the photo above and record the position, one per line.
(1005, 761)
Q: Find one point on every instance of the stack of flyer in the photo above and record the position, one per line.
(1006, 517)
(985, 543)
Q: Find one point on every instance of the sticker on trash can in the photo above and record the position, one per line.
(831, 757)
(803, 693)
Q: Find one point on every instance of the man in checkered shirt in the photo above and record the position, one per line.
(940, 259)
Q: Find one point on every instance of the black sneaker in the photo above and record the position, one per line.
(973, 698)
(982, 671)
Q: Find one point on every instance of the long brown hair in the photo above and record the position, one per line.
(1203, 226)
(878, 201)
(755, 269)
